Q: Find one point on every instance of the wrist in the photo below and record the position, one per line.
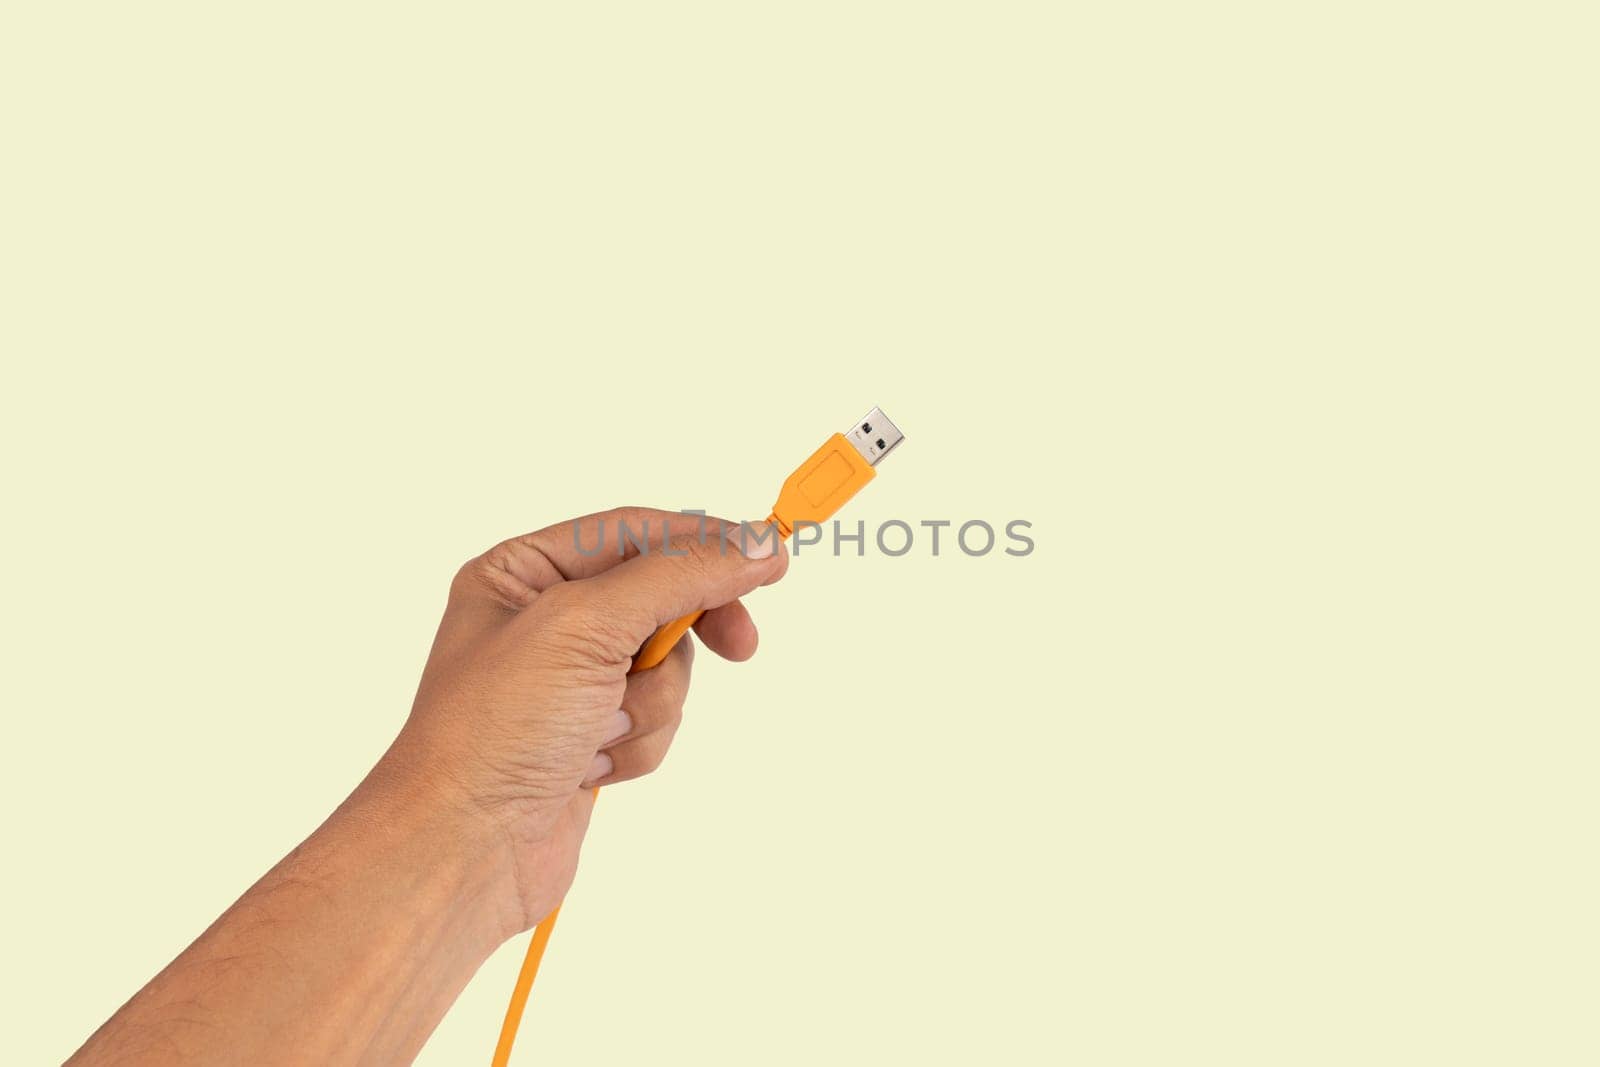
(463, 859)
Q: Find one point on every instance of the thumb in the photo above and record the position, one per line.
(687, 574)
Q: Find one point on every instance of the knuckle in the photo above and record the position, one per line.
(698, 552)
(659, 711)
(664, 744)
(491, 575)
(644, 754)
(678, 695)
(669, 689)
(465, 581)
(653, 752)
(474, 578)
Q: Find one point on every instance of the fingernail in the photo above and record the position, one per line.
(598, 768)
(756, 540)
(619, 723)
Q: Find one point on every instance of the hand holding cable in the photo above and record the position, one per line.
(467, 830)
(811, 494)
(527, 702)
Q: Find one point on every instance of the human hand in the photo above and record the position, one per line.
(351, 948)
(526, 703)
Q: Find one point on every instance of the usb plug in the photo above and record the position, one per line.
(874, 436)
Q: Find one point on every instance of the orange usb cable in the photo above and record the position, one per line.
(817, 488)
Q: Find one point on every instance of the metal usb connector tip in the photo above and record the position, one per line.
(874, 436)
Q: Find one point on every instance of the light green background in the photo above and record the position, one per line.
(1279, 322)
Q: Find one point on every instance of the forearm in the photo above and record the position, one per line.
(348, 951)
